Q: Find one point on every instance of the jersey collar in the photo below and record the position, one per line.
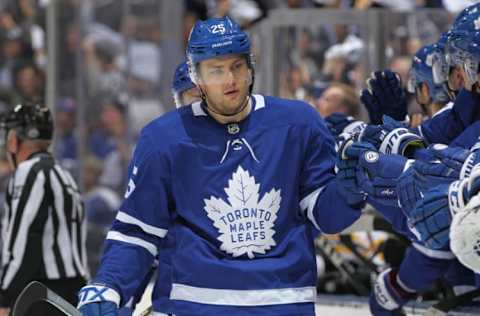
(258, 103)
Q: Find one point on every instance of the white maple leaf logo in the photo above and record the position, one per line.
(245, 224)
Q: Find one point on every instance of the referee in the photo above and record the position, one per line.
(43, 230)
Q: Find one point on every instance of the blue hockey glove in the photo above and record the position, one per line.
(431, 174)
(339, 123)
(388, 296)
(457, 158)
(392, 137)
(432, 215)
(384, 96)
(98, 300)
(346, 178)
(377, 173)
(407, 189)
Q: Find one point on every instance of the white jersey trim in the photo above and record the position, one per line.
(308, 204)
(113, 235)
(149, 229)
(243, 297)
(197, 109)
(259, 101)
(437, 254)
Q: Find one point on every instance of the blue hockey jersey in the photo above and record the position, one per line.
(241, 203)
(447, 125)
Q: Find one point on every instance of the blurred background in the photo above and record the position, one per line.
(105, 68)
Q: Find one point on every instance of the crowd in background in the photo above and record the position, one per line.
(320, 65)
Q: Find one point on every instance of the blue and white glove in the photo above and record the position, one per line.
(392, 137)
(377, 173)
(431, 218)
(384, 96)
(98, 300)
(388, 295)
(346, 178)
(457, 158)
(339, 123)
(408, 190)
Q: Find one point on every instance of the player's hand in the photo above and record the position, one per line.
(98, 300)
(430, 219)
(339, 123)
(384, 96)
(408, 190)
(377, 173)
(346, 177)
(392, 137)
(445, 168)
(388, 296)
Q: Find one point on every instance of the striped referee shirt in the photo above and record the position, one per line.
(44, 227)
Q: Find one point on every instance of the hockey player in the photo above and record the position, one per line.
(240, 181)
(184, 90)
(44, 228)
(431, 96)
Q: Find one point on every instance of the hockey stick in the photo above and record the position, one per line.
(35, 292)
(442, 307)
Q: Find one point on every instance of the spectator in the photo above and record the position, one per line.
(338, 98)
(110, 143)
(29, 83)
(101, 205)
(66, 143)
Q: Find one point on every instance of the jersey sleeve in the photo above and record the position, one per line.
(141, 222)
(320, 200)
(447, 125)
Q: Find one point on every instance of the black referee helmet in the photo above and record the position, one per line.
(31, 121)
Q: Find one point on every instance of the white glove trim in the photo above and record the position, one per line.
(97, 293)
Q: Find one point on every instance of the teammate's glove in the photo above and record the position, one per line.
(384, 96)
(444, 170)
(431, 218)
(98, 300)
(388, 295)
(346, 178)
(408, 190)
(392, 137)
(377, 173)
(457, 158)
(339, 123)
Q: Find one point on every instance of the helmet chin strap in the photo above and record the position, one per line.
(204, 103)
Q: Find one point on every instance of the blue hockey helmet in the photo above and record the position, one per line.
(181, 82)
(472, 61)
(471, 9)
(440, 66)
(460, 35)
(422, 72)
(215, 37)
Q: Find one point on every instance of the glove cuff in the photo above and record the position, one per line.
(399, 140)
(468, 165)
(389, 292)
(456, 200)
(97, 293)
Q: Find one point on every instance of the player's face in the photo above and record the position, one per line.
(455, 79)
(330, 102)
(191, 95)
(225, 82)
